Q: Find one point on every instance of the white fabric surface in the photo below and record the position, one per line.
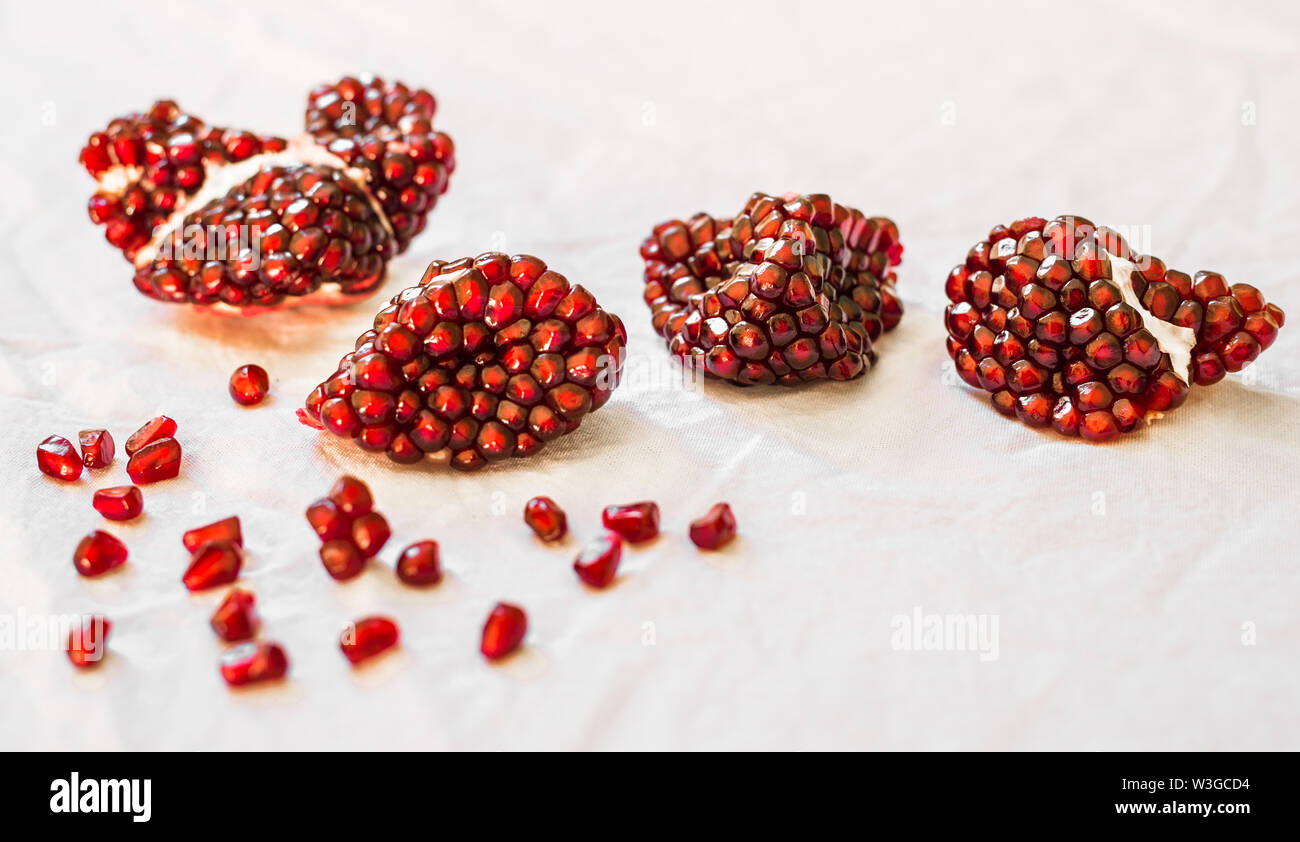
(1121, 576)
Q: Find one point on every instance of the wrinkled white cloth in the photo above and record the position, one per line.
(1144, 593)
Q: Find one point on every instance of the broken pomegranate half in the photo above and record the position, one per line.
(792, 289)
(1066, 326)
(487, 357)
(239, 221)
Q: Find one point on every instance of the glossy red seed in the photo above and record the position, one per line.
(419, 564)
(88, 641)
(328, 521)
(156, 461)
(121, 502)
(717, 527)
(352, 496)
(597, 564)
(216, 563)
(98, 553)
(341, 559)
(367, 638)
(249, 385)
(546, 518)
(223, 530)
(250, 663)
(369, 533)
(97, 448)
(161, 427)
(504, 630)
(234, 619)
(56, 457)
(636, 522)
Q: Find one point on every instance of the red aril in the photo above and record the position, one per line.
(636, 522)
(341, 559)
(216, 563)
(98, 553)
(223, 530)
(327, 521)
(250, 663)
(121, 502)
(716, 528)
(96, 448)
(546, 518)
(88, 640)
(249, 385)
(154, 429)
(234, 619)
(369, 533)
(352, 496)
(504, 630)
(419, 564)
(368, 637)
(597, 564)
(56, 457)
(156, 461)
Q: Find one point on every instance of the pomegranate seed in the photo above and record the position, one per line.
(352, 496)
(161, 427)
(121, 502)
(419, 564)
(96, 448)
(368, 637)
(636, 522)
(504, 630)
(341, 559)
(216, 563)
(715, 528)
(369, 533)
(98, 553)
(597, 564)
(222, 530)
(249, 385)
(88, 640)
(328, 522)
(234, 620)
(56, 457)
(250, 663)
(156, 461)
(546, 518)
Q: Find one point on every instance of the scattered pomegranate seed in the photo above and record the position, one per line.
(368, 637)
(636, 522)
(121, 502)
(250, 663)
(98, 553)
(56, 457)
(328, 522)
(597, 564)
(88, 641)
(96, 448)
(156, 461)
(223, 530)
(341, 559)
(716, 528)
(369, 533)
(352, 496)
(504, 630)
(154, 429)
(546, 518)
(249, 385)
(419, 564)
(215, 563)
(234, 619)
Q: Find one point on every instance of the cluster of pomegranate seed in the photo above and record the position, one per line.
(792, 289)
(249, 385)
(155, 453)
(328, 209)
(1065, 326)
(349, 529)
(216, 554)
(488, 357)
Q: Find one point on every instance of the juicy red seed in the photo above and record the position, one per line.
(98, 553)
(161, 427)
(367, 638)
(716, 528)
(121, 502)
(504, 630)
(97, 448)
(87, 641)
(546, 518)
(328, 522)
(636, 522)
(597, 564)
(369, 533)
(352, 496)
(419, 564)
(215, 563)
(249, 385)
(223, 530)
(250, 663)
(234, 620)
(57, 457)
(156, 461)
(341, 559)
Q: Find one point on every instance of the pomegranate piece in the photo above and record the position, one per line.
(419, 564)
(489, 358)
(342, 560)
(57, 458)
(250, 663)
(636, 522)
(214, 564)
(715, 529)
(367, 638)
(154, 429)
(597, 564)
(156, 461)
(96, 448)
(234, 619)
(249, 385)
(223, 530)
(546, 518)
(369, 533)
(504, 630)
(88, 640)
(792, 289)
(121, 502)
(352, 496)
(98, 553)
(328, 522)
